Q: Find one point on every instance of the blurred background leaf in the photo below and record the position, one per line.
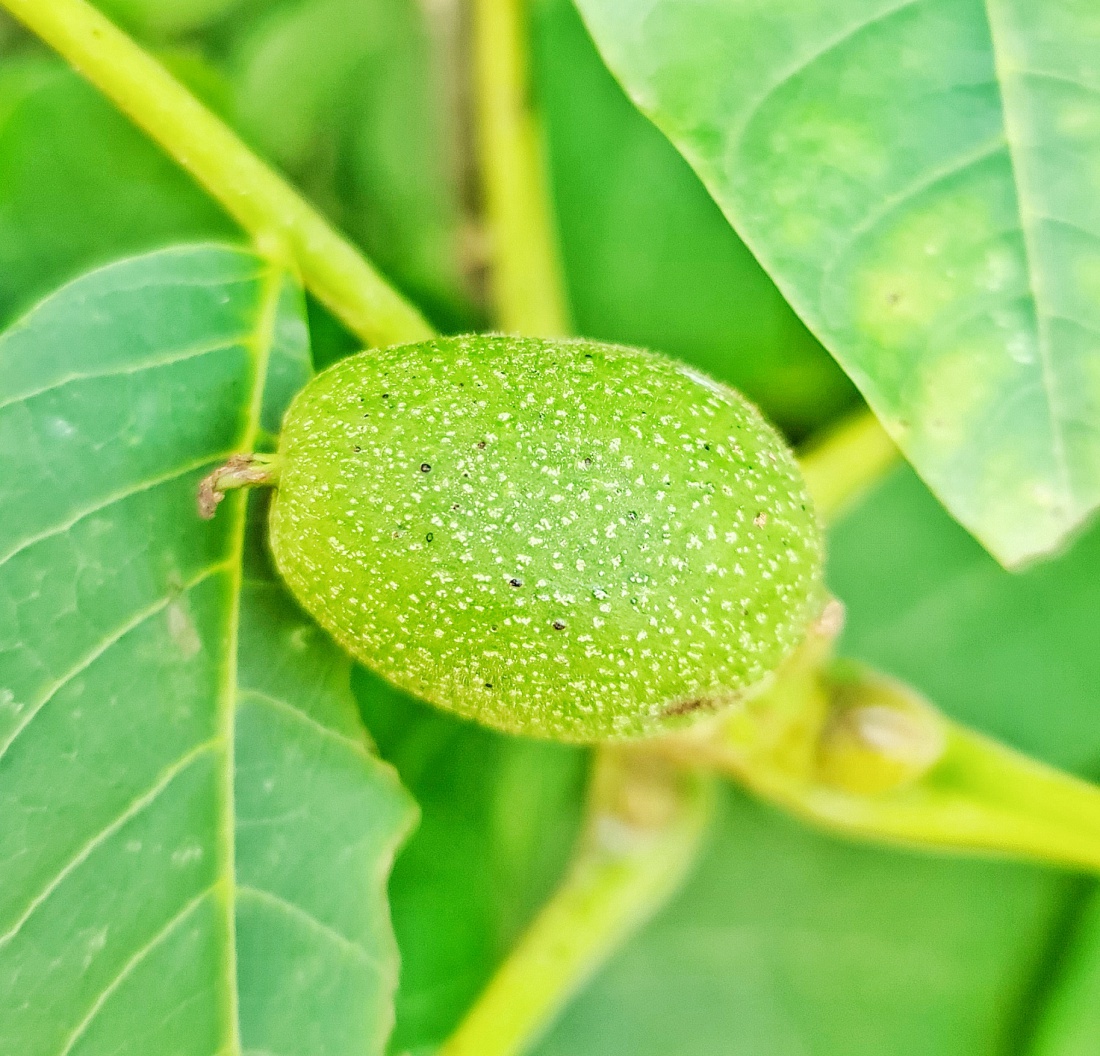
(165, 18)
(1067, 1022)
(357, 99)
(80, 186)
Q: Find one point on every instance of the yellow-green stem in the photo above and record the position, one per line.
(645, 822)
(527, 286)
(845, 462)
(282, 224)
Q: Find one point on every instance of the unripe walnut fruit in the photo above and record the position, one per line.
(557, 538)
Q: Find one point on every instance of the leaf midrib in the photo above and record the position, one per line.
(260, 346)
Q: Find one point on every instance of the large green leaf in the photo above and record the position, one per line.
(649, 258)
(788, 941)
(499, 819)
(79, 185)
(195, 836)
(921, 178)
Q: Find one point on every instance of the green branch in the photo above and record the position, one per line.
(283, 225)
(527, 284)
(645, 822)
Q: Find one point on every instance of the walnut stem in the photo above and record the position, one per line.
(241, 471)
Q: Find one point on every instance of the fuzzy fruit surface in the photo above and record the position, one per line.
(557, 538)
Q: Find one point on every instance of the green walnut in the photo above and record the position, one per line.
(557, 538)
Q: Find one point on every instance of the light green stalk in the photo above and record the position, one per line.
(841, 465)
(645, 822)
(283, 225)
(526, 275)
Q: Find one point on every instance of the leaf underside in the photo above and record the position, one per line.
(922, 179)
(195, 836)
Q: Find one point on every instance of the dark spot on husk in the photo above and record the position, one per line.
(687, 707)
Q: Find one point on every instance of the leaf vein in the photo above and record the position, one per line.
(1080, 323)
(805, 62)
(135, 807)
(135, 959)
(293, 909)
(153, 363)
(286, 708)
(175, 283)
(905, 196)
(104, 644)
(120, 496)
(1051, 75)
(1058, 221)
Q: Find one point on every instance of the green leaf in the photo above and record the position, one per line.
(196, 837)
(1069, 1024)
(79, 185)
(787, 940)
(500, 815)
(649, 258)
(921, 181)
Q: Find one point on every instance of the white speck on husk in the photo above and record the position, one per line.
(558, 538)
